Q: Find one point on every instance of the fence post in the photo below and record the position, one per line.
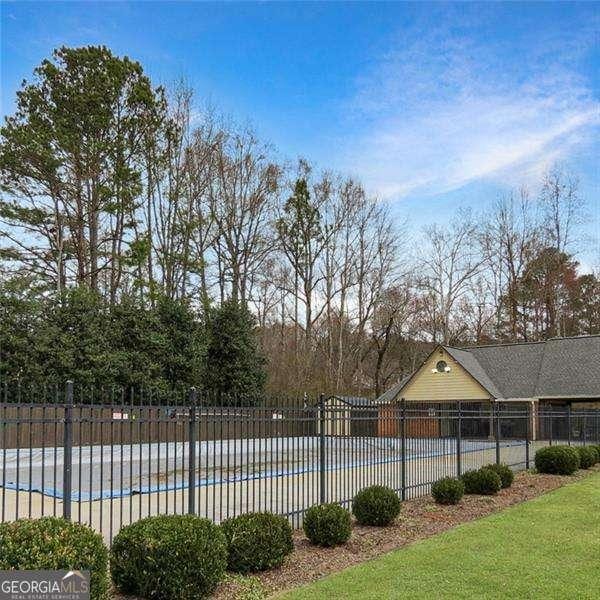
(528, 434)
(569, 424)
(68, 450)
(192, 453)
(497, 430)
(322, 464)
(459, 441)
(403, 441)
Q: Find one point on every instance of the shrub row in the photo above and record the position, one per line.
(565, 460)
(161, 557)
(185, 556)
(559, 460)
(181, 556)
(487, 480)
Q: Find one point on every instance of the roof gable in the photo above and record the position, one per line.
(469, 362)
(468, 381)
(392, 393)
(559, 367)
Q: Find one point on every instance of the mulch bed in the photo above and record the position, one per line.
(420, 518)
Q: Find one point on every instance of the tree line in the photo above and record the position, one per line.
(144, 240)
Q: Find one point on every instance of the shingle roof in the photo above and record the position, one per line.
(570, 367)
(553, 368)
(514, 368)
(559, 367)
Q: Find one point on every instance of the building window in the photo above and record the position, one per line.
(441, 366)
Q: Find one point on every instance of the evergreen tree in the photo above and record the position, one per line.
(19, 319)
(73, 339)
(183, 343)
(136, 346)
(235, 366)
(70, 167)
(80, 336)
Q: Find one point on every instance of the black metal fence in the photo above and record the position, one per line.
(107, 458)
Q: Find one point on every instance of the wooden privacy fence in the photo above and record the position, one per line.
(43, 425)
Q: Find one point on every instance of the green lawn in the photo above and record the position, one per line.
(546, 548)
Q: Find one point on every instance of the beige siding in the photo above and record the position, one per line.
(438, 387)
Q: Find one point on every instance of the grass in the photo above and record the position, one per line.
(545, 548)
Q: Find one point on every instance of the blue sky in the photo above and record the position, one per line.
(433, 106)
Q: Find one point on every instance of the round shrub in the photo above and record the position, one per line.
(483, 481)
(557, 460)
(327, 524)
(448, 490)
(51, 543)
(596, 452)
(169, 556)
(257, 541)
(504, 472)
(587, 457)
(376, 505)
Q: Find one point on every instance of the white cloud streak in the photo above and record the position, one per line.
(444, 108)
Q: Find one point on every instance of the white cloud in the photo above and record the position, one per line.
(446, 107)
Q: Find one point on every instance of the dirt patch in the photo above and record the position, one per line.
(420, 518)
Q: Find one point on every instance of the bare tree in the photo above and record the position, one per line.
(242, 200)
(476, 312)
(510, 238)
(561, 206)
(390, 326)
(449, 263)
